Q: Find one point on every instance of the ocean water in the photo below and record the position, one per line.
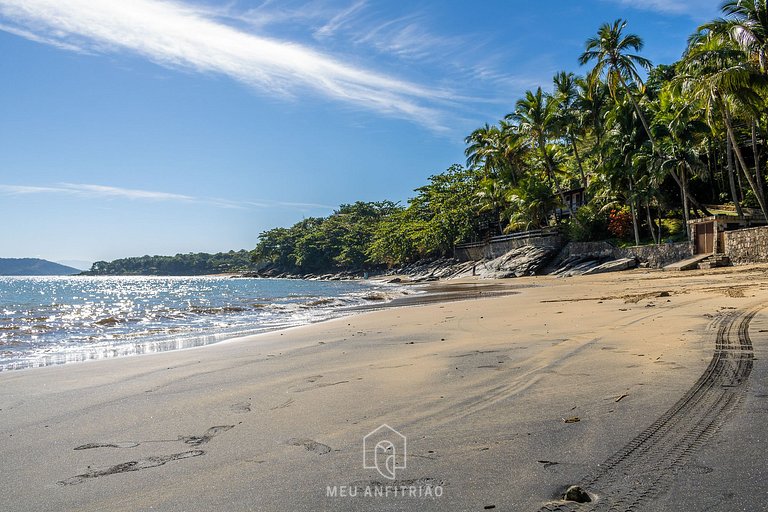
(56, 320)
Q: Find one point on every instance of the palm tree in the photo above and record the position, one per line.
(746, 23)
(677, 121)
(611, 51)
(514, 149)
(534, 115)
(483, 148)
(492, 198)
(568, 116)
(623, 168)
(592, 102)
(530, 204)
(715, 73)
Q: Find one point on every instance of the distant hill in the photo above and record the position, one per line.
(191, 264)
(33, 267)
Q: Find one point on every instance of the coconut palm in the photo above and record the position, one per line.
(622, 166)
(483, 147)
(714, 73)
(610, 49)
(746, 23)
(592, 102)
(679, 125)
(534, 115)
(568, 116)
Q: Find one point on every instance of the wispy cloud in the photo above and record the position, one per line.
(88, 190)
(181, 35)
(125, 193)
(339, 19)
(92, 191)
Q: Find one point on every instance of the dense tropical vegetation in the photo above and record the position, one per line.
(649, 147)
(192, 264)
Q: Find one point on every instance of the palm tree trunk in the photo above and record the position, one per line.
(686, 217)
(640, 114)
(756, 156)
(742, 163)
(651, 225)
(647, 129)
(658, 220)
(634, 212)
(731, 180)
(578, 162)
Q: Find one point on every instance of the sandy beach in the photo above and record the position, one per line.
(647, 388)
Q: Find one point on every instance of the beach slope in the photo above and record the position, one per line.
(644, 387)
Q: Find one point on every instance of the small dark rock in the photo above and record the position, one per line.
(577, 494)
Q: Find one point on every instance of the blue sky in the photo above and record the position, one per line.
(156, 127)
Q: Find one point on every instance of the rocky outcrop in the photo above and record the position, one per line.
(613, 266)
(524, 261)
(527, 260)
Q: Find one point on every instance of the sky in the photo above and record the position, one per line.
(162, 127)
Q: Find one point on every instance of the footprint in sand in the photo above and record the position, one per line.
(310, 445)
(209, 434)
(283, 405)
(134, 465)
(241, 407)
(107, 445)
(149, 462)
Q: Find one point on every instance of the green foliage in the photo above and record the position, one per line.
(191, 264)
(339, 241)
(591, 224)
(530, 205)
(443, 213)
(364, 235)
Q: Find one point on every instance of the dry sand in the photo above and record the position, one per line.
(658, 416)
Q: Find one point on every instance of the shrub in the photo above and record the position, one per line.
(589, 224)
(620, 222)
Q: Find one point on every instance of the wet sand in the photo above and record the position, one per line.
(650, 389)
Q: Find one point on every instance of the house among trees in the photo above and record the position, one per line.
(574, 199)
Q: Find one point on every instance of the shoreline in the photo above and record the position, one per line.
(481, 388)
(416, 294)
(291, 311)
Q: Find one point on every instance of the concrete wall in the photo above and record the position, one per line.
(748, 245)
(495, 249)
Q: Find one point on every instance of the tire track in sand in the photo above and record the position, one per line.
(647, 465)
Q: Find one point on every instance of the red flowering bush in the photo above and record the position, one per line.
(620, 222)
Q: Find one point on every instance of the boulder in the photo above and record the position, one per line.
(577, 494)
(613, 266)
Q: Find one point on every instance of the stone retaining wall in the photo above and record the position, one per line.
(749, 245)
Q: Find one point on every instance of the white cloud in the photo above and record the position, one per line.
(91, 191)
(180, 35)
(125, 193)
